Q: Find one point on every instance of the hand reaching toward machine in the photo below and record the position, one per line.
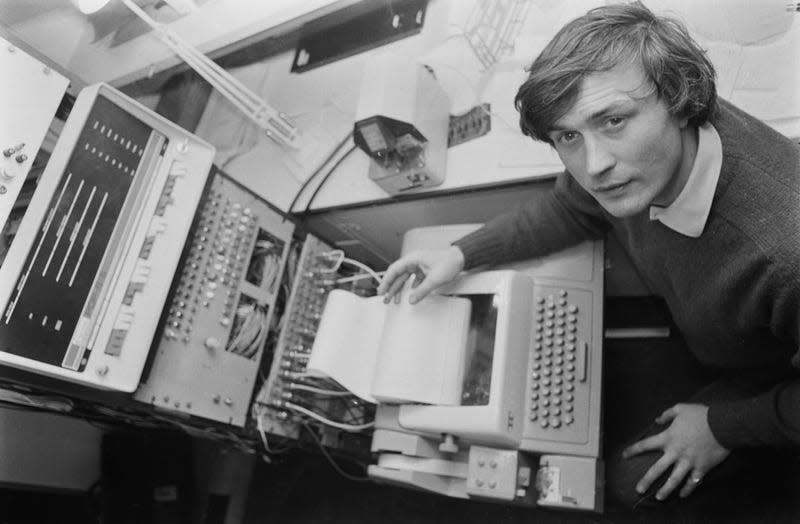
(430, 269)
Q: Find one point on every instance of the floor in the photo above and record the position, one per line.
(306, 489)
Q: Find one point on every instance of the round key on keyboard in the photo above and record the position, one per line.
(555, 422)
(568, 419)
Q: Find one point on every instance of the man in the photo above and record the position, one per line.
(706, 201)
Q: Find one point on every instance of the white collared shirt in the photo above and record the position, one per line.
(688, 213)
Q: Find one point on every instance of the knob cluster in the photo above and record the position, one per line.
(213, 270)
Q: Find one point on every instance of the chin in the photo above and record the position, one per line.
(624, 208)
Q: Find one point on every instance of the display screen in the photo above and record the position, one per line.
(81, 217)
(480, 350)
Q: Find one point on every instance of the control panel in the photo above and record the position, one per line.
(103, 232)
(206, 357)
(292, 397)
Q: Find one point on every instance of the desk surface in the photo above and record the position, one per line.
(323, 101)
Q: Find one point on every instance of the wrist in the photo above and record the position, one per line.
(457, 256)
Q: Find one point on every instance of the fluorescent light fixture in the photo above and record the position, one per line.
(88, 7)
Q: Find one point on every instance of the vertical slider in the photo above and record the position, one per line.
(583, 361)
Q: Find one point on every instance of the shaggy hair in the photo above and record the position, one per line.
(604, 38)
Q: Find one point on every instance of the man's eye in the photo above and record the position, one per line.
(615, 121)
(567, 137)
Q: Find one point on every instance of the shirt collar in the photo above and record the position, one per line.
(688, 213)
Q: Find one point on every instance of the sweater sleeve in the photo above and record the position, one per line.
(565, 216)
(771, 418)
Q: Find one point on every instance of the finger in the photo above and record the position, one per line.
(674, 480)
(422, 290)
(691, 484)
(655, 471)
(667, 415)
(395, 287)
(399, 268)
(648, 444)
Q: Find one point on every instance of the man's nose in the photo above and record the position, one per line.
(598, 158)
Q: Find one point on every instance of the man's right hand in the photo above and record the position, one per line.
(431, 268)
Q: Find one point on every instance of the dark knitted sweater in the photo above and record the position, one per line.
(734, 292)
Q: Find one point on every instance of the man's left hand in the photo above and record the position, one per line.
(688, 447)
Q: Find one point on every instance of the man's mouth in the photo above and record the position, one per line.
(610, 188)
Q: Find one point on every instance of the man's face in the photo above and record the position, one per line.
(620, 143)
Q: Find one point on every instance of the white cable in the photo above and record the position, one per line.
(326, 421)
(363, 266)
(360, 276)
(309, 374)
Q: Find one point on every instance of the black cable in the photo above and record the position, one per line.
(315, 173)
(327, 176)
(330, 458)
